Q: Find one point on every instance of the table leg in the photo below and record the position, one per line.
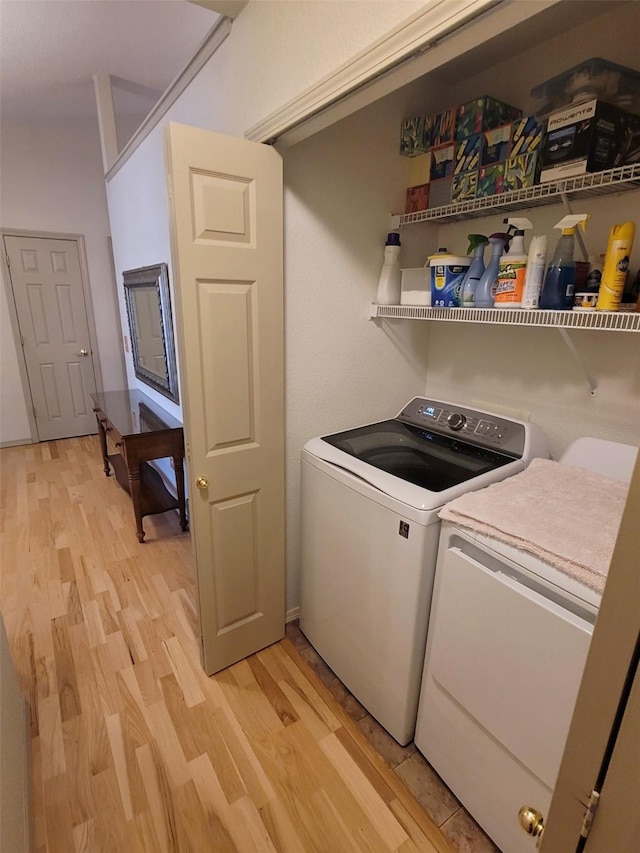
(178, 467)
(134, 488)
(103, 445)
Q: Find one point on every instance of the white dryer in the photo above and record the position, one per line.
(370, 527)
(508, 639)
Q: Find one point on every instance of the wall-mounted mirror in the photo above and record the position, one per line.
(149, 309)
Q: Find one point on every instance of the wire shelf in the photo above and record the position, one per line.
(622, 179)
(611, 321)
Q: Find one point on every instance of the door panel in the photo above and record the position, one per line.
(227, 258)
(49, 298)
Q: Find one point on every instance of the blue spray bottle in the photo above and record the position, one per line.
(486, 287)
(558, 287)
(477, 245)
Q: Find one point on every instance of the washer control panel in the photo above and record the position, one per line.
(476, 427)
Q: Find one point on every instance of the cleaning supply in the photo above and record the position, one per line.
(477, 245)
(513, 266)
(447, 273)
(536, 263)
(616, 266)
(389, 284)
(486, 287)
(558, 287)
(586, 298)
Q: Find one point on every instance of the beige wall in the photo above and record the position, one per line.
(52, 181)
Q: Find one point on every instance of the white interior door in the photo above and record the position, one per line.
(226, 208)
(52, 316)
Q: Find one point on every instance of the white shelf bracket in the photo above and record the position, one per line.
(593, 387)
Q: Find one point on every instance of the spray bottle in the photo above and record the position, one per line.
(534, 277)
(557, 291)
(390, 275)
(477, 245)
(616, 265)
(486, 287)
(513, 266)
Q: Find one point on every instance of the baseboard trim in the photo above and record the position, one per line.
(17, 442)
(292, 615)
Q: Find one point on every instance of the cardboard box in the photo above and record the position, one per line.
(440, 192)
(490, 180)
(412, 141)
(417, 199)
(587, 137)
(526, 135)
(496, 145)
(442, 161)
(483, 114)
(419, 170)
(464, 186)
(521, 171)
(468, 154)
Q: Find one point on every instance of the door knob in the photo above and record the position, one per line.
(532, 821)
(84, 352)
(202, 483)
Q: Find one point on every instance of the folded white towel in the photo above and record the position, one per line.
(566, 515)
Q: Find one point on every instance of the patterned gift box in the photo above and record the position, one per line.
(496, 145)
(442, 160)
(521, 171)
(526, 135)
(412, 141)
(440, 192)
(464, 186)
(419, 170)
(490, 180)
(483, 114)
(443, 127)
(417, 199)
(468, 154)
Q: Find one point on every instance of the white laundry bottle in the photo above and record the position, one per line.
(390, 274)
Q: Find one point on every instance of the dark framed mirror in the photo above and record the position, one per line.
(146, 291)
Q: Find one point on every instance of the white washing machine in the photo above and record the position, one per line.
(370, 527)
(508, 640)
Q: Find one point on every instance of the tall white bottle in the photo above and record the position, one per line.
(534, 277)
(390, 274)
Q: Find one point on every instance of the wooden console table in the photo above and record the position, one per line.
(141, 431)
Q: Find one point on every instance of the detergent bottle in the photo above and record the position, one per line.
(558, 287)
(513, 266)
(486, 287)
(616, 265)
(389, 283)
(477, 245)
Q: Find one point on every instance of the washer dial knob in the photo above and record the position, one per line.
(456, 421)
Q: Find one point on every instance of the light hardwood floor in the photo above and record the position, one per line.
(134, 748)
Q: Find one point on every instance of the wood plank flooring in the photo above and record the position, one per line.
(134, 748)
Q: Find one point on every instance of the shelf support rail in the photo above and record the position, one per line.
(593, 385)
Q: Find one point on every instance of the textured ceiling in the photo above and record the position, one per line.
(49, 50)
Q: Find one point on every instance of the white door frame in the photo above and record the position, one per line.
(13, 313)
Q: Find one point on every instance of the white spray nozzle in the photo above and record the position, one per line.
(519, 223)
(573, 221)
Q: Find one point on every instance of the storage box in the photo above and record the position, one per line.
(417, 199)
(464, 186)
(490, 180)
(587, 137)
(592, 78)
(521, 171)
(416, 286)
(496, 145)
(443, 127)
(468, 154)
(412, 139)
(526, 135)
(419, 170)
(483, 114)
(440, 192)
(442, 160)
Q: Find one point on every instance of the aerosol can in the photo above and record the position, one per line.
(559, 283)
(616, 266)
(513, 266)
